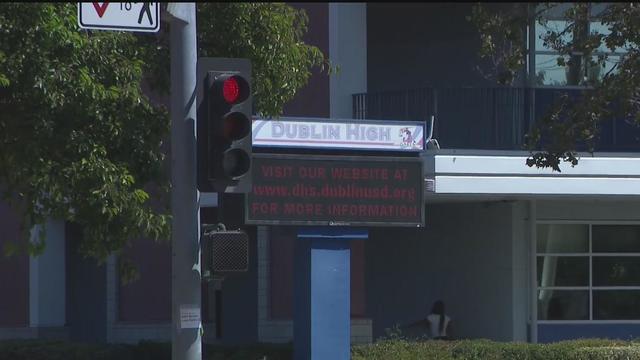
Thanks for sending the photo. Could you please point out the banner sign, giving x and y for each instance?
(339, 134)
(335, 190)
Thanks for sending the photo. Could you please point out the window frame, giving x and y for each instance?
(533, 51)
(590, 288)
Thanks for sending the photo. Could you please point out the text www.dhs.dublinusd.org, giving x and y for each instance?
(336, 191)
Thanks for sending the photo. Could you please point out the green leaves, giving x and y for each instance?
(80, 141)
(270, 34)
(585, 46)
(502, 40)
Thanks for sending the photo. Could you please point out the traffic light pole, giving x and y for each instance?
(185, 234)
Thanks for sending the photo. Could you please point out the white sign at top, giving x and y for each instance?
(347, 134)
(121, 16)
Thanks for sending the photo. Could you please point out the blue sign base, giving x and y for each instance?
(322, 323)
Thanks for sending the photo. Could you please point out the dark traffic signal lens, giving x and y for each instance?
(236, 163)
(236, 126)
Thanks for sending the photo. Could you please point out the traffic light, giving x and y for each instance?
(224, 125)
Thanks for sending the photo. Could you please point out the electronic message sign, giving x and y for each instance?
(335, 190)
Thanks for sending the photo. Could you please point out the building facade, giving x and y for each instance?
(516, 253)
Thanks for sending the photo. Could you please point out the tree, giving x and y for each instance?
(80, 140)
(596, 44)
(270, 34)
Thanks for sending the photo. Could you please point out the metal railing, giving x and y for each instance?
(483, 118)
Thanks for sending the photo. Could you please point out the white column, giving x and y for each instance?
(47, 283)
(533, 296)
(348, 50)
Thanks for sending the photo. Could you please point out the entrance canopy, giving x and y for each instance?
(504, 174)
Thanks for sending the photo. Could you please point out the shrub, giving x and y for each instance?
(608, 353)
(151, 350)
(145, 350)
(395, 348)
(589, 349)
(59, 350)
(402, 349)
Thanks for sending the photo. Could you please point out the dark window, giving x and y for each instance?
(563, 305)
(616, 304)
(616, 238)
(616, 271)
(578, 261)
(563, 271)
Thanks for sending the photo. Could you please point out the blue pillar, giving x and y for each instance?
(322, 323)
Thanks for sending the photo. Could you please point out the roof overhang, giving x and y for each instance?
(487, 175)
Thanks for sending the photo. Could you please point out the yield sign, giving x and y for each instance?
(100, 8)
(127, 16)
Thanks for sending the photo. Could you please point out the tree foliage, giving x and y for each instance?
(80, 140)
(584, 53)
(270, 34)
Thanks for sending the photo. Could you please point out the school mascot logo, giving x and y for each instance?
(407, 138)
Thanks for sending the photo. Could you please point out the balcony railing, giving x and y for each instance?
(483, 118)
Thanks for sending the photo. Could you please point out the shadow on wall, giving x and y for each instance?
(463, 257)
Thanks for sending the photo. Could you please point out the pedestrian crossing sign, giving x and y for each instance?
(121, 16)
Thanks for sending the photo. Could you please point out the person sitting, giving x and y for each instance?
(438, 322)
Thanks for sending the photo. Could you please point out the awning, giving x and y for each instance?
(505, 173)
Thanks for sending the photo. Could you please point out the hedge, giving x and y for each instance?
(588, 349)
(387, 349)
(146, 350)
(50, 350)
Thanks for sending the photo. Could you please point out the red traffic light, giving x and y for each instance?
(231, 90)
(235, 89)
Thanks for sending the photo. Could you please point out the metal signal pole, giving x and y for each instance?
(185, 234)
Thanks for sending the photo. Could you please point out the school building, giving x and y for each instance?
(516, 253)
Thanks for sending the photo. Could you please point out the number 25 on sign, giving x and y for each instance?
(123, 16)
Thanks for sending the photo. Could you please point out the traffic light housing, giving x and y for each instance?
(224, 125)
